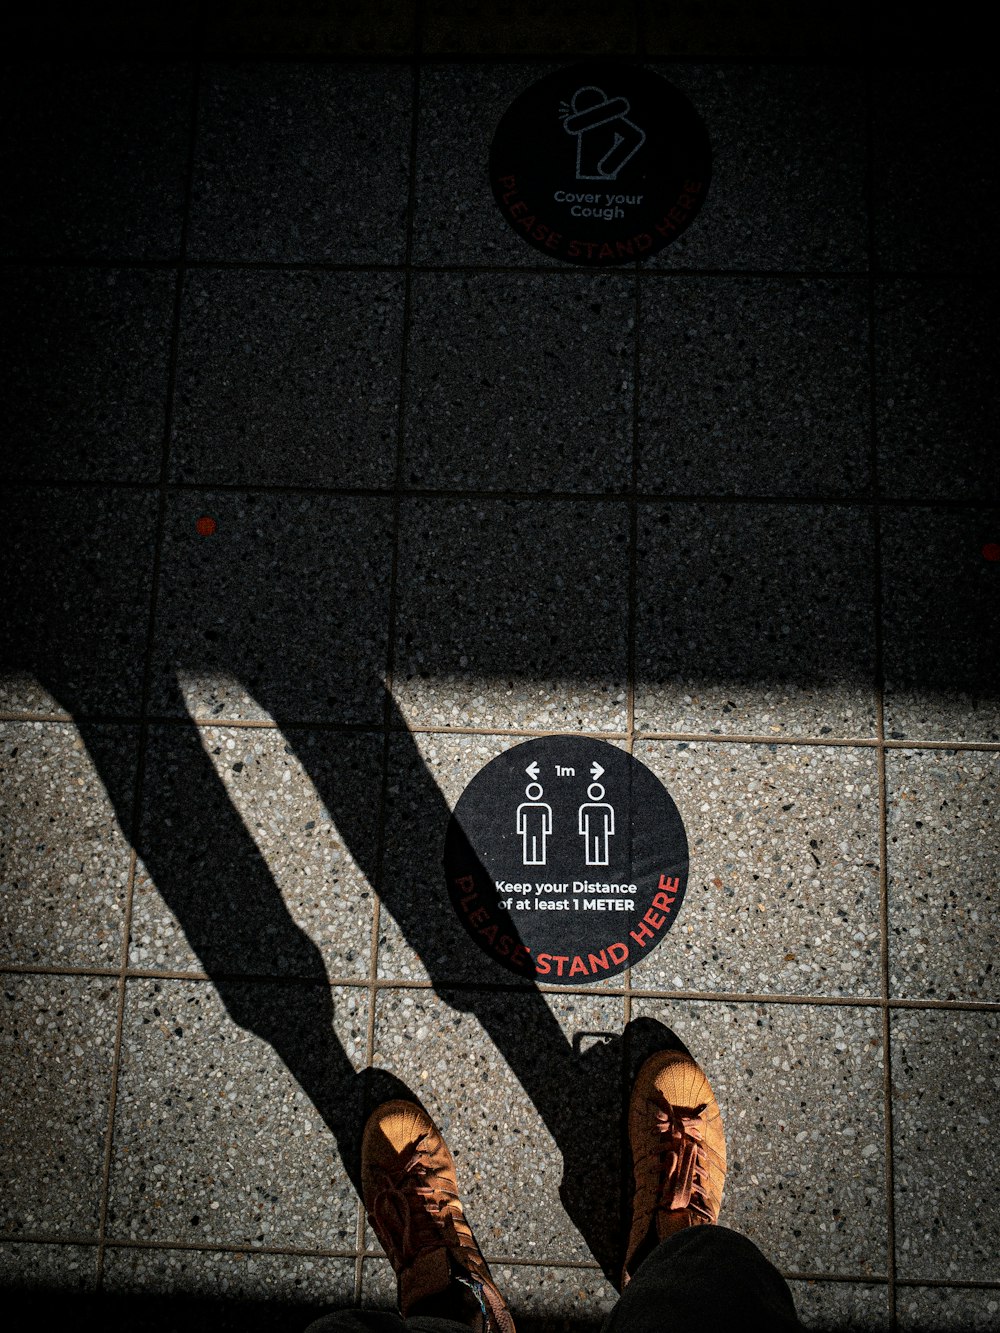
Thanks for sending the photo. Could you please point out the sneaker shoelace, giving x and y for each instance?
(419, 1207)
(680, 1157)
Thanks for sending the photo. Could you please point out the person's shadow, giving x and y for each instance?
(208, 869)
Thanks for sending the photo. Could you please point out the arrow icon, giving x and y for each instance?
(596, 770)
(532, 770)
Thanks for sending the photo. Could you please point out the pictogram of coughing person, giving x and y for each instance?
(605, 138)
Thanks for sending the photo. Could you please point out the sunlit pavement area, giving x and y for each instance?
(326, 489)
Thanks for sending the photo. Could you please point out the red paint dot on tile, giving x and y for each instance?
(991, 551)
(205, 526)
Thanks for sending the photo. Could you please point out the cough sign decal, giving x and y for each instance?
(600, 163)
(566, 860)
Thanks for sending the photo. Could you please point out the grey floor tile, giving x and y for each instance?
(78, 568)
(219, 1289)
(64, 860)
(512, 614)
(783, 895)
(801, 1092)
(753, 387)
(57, 1038)
(288, 378)
(788, 171)
(28, 1267)
(590, 28)
(545, 360)
(280, 612)
(559, 1300)
(842, 1307)
(456, 220)
(946, 1078)
(936, 346)
(943, 850)
(269, 877)
(216, 1141)
(933, 123)
(427, 775)
(95, 159)
(947, 1309)
(302, 162)
(516, 1115)
(86, 373)
(755, 619)
(941, 616)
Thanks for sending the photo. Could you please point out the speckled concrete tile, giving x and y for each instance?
(842, 1307)
(788, 171)
(755, 619)
(517, 1084)
(94, 159)
(592, 27)
(456, 220)
(753, 387)
(944, 847)
(545, 359)
(215, 1140)
(64, 861)
(205, 1289)
(941, 613)
(27, 1267)
(801, 1092)
(783, 894)
(288, 378)
(427, 775)
(733, 30)
(947, 1309)
(57, 1036)
(86, 369)
(933, 124)
(935, 348)
(301, 162)
(269, 876)
(946, 1080)
(556, 1300)
(77, 569)
(280, 612)
(512, 614)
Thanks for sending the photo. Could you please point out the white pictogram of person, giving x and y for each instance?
(605, 138)
(597, 825)
(534, 824)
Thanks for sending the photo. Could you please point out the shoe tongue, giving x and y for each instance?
(426, 1276)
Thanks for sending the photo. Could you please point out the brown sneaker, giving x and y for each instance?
(411, 1195)
(678, 1153)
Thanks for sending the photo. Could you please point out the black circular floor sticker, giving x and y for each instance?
(566, 860)
(600, 163)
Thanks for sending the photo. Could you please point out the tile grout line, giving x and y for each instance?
(883, 815)
(390, 648)
(363, 728)
(140, 773)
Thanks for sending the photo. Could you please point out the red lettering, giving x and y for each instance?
(542, 965)
(643, 241)
(554, 240)
(642, 935)
(504, 946)
(606, 252)
(520, 954)
(624, 248)
(692, 187)
(528, 222)
(664, 903)
(577, 966)
(598, 960)
(519, 209)
(559, 959)
(574, 250)
(489, 933)
(668, 885)
(618, 952)
(653, 918)
(509, 183)
(479, 916)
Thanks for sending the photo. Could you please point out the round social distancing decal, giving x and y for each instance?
(600, 163)
(566, 860)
